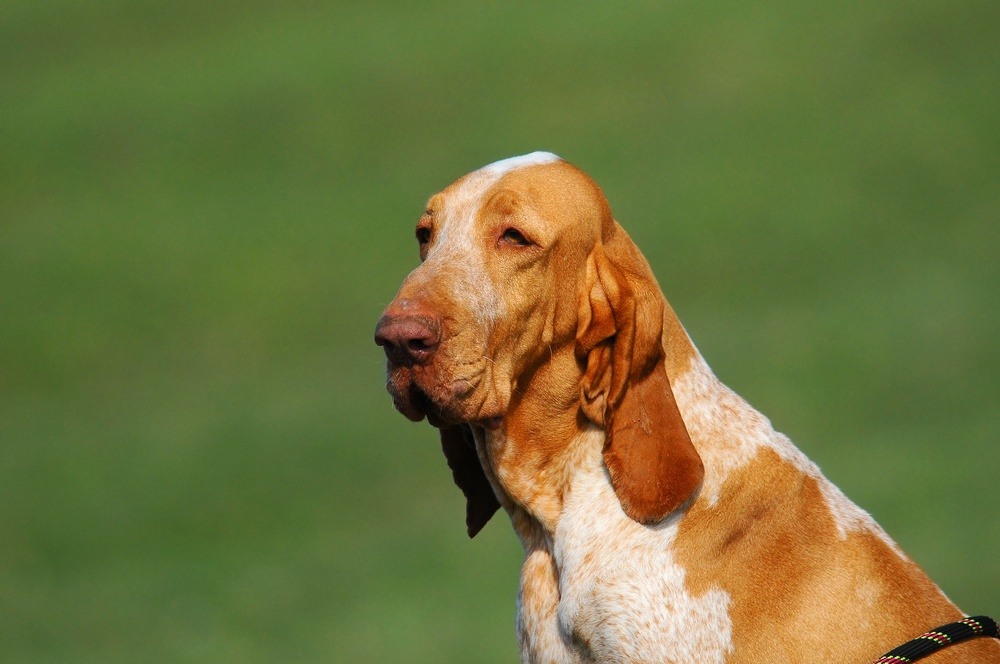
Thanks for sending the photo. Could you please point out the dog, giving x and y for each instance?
(662, 518)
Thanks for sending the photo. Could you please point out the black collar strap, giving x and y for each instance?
(940, 637)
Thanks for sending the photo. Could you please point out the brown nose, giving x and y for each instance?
(408, 334)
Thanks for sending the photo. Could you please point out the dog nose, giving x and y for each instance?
(408, 334)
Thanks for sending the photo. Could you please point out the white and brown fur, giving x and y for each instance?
(663, 519)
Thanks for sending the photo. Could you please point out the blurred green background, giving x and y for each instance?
(205, 206)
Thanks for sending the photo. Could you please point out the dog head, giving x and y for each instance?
(523, 264)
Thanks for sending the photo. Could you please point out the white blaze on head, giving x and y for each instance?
(458, 248)
(499, 168)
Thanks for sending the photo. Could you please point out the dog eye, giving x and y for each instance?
(514, 236)
(423, 234)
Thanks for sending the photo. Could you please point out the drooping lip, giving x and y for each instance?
(416, 403)
(411, 401)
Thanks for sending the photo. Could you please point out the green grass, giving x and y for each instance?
(204, 207)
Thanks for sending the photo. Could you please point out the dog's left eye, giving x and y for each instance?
(514, 236)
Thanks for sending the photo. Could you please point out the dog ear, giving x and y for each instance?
(654, 468)
(460, 450)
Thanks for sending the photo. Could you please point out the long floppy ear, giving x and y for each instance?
(654, 468)
(460, 451)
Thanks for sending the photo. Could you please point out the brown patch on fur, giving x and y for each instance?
(799, 591)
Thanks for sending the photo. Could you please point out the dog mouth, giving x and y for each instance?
(415, 402)
(441, 407)
(417, 405)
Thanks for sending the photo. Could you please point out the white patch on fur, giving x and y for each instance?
(456, 258)
(621, 596)
(513, 163)
(458, 250)
(714, 412)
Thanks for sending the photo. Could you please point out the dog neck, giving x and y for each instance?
(528, 460)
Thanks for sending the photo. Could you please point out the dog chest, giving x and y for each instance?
(622, 596)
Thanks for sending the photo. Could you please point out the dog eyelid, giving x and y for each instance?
(513, 236)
